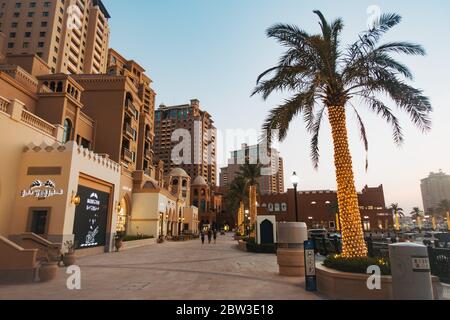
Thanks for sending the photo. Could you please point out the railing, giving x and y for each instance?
(148, 136)
(440, 263)
(132, 109)
(37, 122)
(128, 129)
(148, 153)
(127, 155)
(4, 105)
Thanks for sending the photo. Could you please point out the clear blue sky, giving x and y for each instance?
(213, 50)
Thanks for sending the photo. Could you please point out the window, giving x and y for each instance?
(32, 4)
(39, 221)
(270, 207)
(284, 207)
(42, 34)
(29, 24)
(16, 14)
(44, 24)
(45, 14)
(277, 207)
(14, 25)
(12, 35)
(26, 45)
(18, 5)
(47, 4)
(30, 14)
(10, 45)
(67, 131)
(40, 44)
(27, 34)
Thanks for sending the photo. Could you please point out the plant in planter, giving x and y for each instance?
(69, 257)
(118, 240)
(356, 265)
(49, 266)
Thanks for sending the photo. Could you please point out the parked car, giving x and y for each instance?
(318, 233)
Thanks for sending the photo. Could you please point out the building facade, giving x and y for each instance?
(435, 188)
(272, 172)
(185, 137)
(319, 209)
(71, 36)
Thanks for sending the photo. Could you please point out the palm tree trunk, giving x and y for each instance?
(253, 209)
(353, 244)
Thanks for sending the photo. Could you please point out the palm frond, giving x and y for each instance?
(315, 131)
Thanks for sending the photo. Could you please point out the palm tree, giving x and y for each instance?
(444, 210)
(397, 212)
(250, 173)
(236, 198)
(324, 79)
(418, 215)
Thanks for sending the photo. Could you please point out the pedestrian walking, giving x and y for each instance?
(202, 236)
(215, 236)
(209, 236)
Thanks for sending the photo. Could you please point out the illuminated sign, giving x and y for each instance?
(42, 190)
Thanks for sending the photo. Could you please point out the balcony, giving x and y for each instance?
(129, 131)
(148, 153)
(132, 109)
(127, 155)
(148, 135)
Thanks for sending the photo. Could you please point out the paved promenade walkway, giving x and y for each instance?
(173, 270)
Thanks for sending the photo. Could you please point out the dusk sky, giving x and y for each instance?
(214, 50)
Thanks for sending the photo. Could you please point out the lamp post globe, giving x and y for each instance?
(295, 181)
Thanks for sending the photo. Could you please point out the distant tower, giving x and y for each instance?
(435, 188)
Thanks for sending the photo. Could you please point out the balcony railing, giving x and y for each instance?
(130, 107)
(127, 155)
(4, 105)
(148, 135)
(148, 153)
(129, 131)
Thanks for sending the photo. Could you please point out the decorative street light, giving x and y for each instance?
(295, 181)
(246, 222)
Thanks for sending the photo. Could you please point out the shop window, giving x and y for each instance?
(39, 220)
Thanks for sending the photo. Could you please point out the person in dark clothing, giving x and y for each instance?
(202, 236)
(215, 236)
(209, 236)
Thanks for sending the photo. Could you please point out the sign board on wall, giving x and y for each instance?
(41, 190)
(91, 218)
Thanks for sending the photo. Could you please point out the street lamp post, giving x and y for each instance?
(295, 181)
(247, 231)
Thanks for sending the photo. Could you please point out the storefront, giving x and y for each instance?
(67, 193)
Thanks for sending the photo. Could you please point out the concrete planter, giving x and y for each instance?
(290, 253)
(291, 262)
(339, 285)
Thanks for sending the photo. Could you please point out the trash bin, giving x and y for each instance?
(411, 274)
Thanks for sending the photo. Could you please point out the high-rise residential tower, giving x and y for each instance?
(185, 137)
(272, 173)
(71, 36)
(435, 188)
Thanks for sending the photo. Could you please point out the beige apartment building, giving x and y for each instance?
(70, 36)
(194, 129)
(435, 188)
(272, 172)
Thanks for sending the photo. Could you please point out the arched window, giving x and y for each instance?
(67, 130)
(196, 192)
(53, 86)
(175, 182)
(59, 87)
(184, 183)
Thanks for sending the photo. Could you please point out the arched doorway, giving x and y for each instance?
(267, 236)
